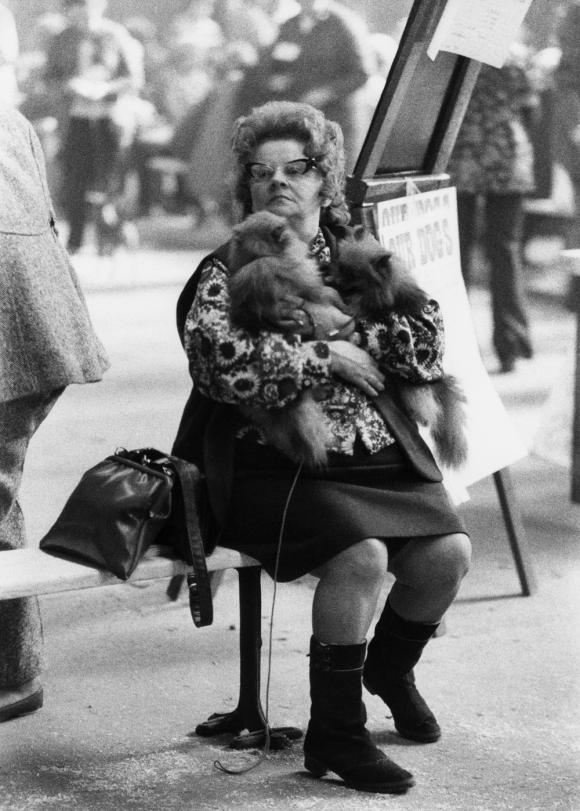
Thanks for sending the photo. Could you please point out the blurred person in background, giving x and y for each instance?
(321, 56)
(153, 55)
(187, 77)
(566, 113)
(211, 44)
(196, 26)
(93, 67)
(492, 167)
(382, 49)
(9, 51)
(203, 139)
(245, 21)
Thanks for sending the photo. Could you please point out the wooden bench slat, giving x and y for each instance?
(26, 572)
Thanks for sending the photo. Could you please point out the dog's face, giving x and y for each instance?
(372, 280)
(262, 234)
(363, 269)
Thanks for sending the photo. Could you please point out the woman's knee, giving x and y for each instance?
(456, 554)
(444, 559)
(365, 562)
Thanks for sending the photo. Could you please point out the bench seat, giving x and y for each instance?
(27, 572)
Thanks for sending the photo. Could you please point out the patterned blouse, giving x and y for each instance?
(230, 365)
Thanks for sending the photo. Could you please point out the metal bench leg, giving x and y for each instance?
(249, 713)
(515, 531)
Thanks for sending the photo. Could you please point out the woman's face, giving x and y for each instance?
(295, 197)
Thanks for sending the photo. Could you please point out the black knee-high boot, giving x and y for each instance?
(337, 739)
(393, 652)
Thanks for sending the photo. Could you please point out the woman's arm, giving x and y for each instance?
(233, 366)
(410, 346)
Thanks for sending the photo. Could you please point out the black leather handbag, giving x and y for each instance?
(125, 503)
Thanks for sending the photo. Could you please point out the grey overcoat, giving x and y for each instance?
(46, 336)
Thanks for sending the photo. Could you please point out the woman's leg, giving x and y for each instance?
(337, 739)
(428, 574)
(20, 621)
(77, 171)
(504, 222)
(468, 231)
(346, 597)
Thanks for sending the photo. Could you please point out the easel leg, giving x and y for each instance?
(575, 483)
(515, 531)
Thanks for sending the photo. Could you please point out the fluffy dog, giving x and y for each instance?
(372, 282)
(268, 263)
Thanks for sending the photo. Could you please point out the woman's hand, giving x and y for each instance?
(320, 321)
(328, 322)
(287, 315)
(356, 366)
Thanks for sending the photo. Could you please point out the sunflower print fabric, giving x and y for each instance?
(229, 365)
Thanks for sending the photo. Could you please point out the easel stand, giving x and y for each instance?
(515, 531)
(575, 305)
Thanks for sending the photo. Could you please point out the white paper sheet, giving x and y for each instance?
(483, 30)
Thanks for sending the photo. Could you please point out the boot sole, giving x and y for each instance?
(318, 769)
(413, 736)
(404, 733)
(25, 706)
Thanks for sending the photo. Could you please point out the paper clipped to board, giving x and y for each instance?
(483, 30)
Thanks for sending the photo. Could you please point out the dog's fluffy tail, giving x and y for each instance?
(449, 432)
(441, 407)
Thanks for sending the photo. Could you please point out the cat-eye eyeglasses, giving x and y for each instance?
(291, 169)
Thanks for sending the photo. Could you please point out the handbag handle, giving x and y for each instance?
(200, 598)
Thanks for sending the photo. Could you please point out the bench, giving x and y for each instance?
(32, 572)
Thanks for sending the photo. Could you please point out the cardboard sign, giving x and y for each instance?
(422, 231)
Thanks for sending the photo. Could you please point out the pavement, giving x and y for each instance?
(127, 676)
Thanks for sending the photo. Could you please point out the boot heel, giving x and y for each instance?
(314, 766)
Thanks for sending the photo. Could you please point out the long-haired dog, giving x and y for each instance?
(268, 263)
(372, 282)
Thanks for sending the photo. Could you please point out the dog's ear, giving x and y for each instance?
(408, 297)
(254, 289)
(377, 292)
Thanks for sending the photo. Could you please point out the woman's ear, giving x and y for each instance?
(324, 202)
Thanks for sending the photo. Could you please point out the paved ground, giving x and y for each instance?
(128, 676)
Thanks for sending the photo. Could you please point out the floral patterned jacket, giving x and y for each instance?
(229, 365)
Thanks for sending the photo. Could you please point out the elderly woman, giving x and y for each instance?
(379, 504)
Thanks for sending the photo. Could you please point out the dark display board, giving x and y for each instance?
(418, 115)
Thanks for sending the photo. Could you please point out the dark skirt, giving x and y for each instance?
(354, 498)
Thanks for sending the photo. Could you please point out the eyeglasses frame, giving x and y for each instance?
(312, 163)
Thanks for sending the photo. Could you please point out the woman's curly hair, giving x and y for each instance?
(322, 140)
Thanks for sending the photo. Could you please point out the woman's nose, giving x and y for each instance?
(279, 175)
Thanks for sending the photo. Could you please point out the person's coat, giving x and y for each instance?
(46, 337)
